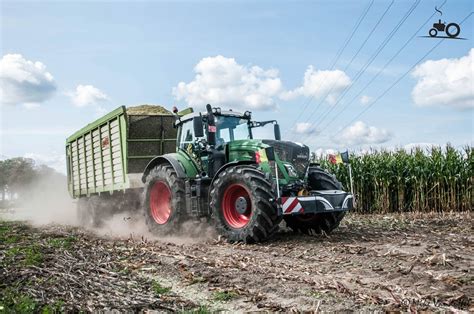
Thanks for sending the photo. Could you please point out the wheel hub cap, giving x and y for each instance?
(241, 205)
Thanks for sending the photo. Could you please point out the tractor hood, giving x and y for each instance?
(288, 152)
(291, 152)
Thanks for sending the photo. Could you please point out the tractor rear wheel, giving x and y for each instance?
(323, 222)
(242, 205)
(164, 200)
(453, 33)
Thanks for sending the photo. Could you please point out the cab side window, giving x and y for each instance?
(186, 135)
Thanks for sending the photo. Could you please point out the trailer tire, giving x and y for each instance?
(164, 205)
(89, 212)
(242, 205)
(323, 222)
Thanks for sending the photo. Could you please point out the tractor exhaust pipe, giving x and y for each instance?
(211, 127)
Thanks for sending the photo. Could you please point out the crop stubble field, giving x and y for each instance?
(390, 262)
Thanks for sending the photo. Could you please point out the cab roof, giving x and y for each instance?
(222, 113)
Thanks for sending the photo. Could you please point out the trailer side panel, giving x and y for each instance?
(111, 153)
(96, 154)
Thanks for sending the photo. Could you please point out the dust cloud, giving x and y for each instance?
(131, 225)
(47, 201)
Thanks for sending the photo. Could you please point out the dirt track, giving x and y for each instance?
(370, 262)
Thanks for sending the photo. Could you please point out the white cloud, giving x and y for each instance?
(264, 133)
(322, 153)
(360, 133)
(24, 82)
(221, 81)
(31, 105)
(304, 128)
(318, 83)
(100, 111)
(423, 146)
(364, 100)
(445, 82)
(86, 95)
(55, 160)
(47, 130)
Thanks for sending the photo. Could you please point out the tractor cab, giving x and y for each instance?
(229, 126)
(216, 137)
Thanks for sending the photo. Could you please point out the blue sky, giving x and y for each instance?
(128, 53)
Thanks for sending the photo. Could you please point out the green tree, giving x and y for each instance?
(3, 178)
(17, 174)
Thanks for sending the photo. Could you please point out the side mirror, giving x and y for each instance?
(276, 130)
(198, 127)
(270, 152)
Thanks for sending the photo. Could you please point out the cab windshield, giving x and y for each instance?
(231, 129)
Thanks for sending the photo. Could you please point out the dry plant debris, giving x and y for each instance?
(392, 262)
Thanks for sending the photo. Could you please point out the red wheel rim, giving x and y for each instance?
(160, 202)
(236, 206)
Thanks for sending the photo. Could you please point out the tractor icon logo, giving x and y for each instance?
(452, 29)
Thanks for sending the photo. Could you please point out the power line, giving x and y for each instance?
(371, 59)
(382, 69)
(349, 64)
(401, 77)
(368, 63)
(361, 18)
(338, 54)
(370, 34)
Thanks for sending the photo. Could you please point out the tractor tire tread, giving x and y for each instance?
(165, 172)
(263, 222)
(323, 222)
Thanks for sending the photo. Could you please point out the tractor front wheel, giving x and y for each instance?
(242, 205)
(164, 200)
(433, 32)
(323, 222)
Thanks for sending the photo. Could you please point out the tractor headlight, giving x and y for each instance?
(291, 170)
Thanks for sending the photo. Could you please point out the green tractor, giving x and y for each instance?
(245, 186)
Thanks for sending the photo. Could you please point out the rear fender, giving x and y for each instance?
(167, 158)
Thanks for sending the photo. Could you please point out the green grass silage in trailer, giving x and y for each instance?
(423, 180)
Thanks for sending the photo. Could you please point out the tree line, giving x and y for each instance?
(18, 175)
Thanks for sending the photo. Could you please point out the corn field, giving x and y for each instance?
(436, 179)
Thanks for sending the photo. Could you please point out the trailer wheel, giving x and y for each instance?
(323, 222)
(241, 201)
(164, 200)
(89, 211)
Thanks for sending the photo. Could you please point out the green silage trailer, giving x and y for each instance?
(110, 154)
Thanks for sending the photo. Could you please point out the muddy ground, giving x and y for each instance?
(393, 262)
